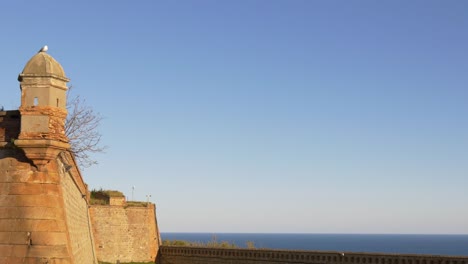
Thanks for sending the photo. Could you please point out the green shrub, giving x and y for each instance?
(136, 204)
(101, 197)
(102, 262)
(213, 243)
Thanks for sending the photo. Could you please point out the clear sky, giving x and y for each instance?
(267, 116)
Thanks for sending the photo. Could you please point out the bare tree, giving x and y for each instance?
(81, 128)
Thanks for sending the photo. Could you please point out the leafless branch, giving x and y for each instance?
(81, 128)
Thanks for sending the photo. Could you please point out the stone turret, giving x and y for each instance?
(43, 109)
(44, 215)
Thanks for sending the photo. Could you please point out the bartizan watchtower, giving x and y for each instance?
(44, 201)
(43, 109)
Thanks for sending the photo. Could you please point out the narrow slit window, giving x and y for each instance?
(57, 102)
(36, 101)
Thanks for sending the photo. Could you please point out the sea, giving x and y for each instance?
(453, 245)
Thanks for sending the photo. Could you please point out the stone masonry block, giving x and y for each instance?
(31, 213)
(60, 261)
(44, 177)
(50, 226)
(30, 200)
(19, 250)
(28, 175)
(15, 176)
(14, 238)
(35, 238)
(28, 225)
(4, 188)
(4, 238)
(7, 225)
(8, 212)
(48, 251)
(26, 260)
(41, 212)
(49, 238)
(23, 260)
(19, 238)
(39, 251)
(5, 250)
(33, 189)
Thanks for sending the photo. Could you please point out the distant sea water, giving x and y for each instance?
(455, 245)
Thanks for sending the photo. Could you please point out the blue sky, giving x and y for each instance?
(267, 116)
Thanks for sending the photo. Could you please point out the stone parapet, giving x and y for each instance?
(118, 201)
(192, 255)
(127, 234)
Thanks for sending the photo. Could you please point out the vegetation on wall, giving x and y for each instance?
(102, 197)
(213, 243)
(136, 204)
(101, 262)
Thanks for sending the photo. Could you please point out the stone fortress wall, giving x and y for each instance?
(125, 233)
(43, 213)
(77, 215)
(44, 202)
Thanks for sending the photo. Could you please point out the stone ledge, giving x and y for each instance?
(41, 151)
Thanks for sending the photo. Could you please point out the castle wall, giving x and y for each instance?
(43, 215)
(125, 233)
(77, 217)
(190, 255)
(32, 223)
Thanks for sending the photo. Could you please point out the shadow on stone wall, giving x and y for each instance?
(9, 126)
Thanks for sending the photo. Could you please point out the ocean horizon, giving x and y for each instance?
(428, 244)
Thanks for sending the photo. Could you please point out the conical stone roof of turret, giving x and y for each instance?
(43, 65)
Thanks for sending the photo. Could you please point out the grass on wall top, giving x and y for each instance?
(102, 197)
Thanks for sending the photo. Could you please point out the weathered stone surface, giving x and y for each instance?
(43, 122)
(43, 214)
(125, 234)
(44, 251)
(42, 64)
(32, 225)
(119, 201)
(49, 238)
(33, 189)
(34, 260)
(39, 219)
(30, 200)
(33, 238)
(31, 212)
(5, 250)
(77, 217)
